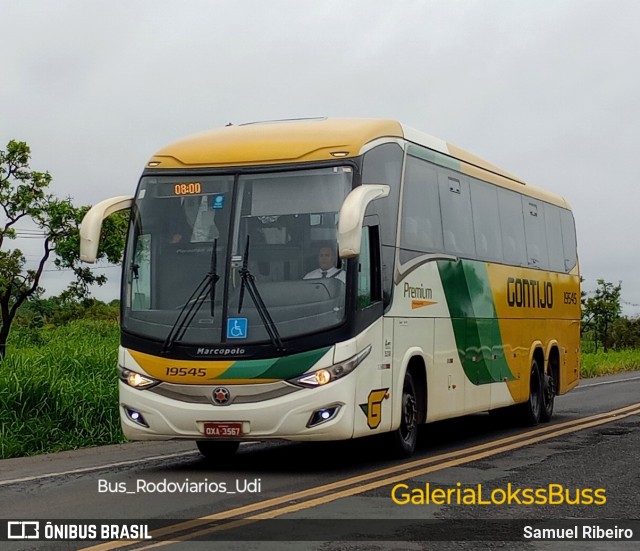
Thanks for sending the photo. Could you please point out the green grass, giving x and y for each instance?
(596, 364)
(58, 386)
(58, 389)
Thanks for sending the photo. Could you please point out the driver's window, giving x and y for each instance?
(364, 271)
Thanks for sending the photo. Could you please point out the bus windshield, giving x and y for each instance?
(278, 229)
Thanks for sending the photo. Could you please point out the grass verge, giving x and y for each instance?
(596, 364)
(58, 389)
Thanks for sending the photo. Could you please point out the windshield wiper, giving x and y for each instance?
(190, 308)
(249, 283)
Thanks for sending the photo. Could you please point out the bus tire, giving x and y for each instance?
(532, 409)
(217, 451)
(404, 438)
(548, 397)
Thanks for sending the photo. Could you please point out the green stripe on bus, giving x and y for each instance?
(474, 320)
(274, 368)
(292, 366)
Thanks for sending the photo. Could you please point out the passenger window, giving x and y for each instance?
(486, 221)
(421, 224)
(512, 226)
(554, 237)
(457, 221)
(568, 240)
(534, 227)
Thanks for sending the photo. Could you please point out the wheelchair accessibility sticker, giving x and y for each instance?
(237, 328)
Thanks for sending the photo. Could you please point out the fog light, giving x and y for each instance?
(136, 417)
(323, 415)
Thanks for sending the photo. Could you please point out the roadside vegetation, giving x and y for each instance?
(58, 383)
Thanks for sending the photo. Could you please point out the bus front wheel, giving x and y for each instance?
(404, 438)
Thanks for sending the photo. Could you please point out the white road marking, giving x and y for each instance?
(98, 467)
(608, 382)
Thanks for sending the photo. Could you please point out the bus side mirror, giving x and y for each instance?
(352, 215)
(92, 225)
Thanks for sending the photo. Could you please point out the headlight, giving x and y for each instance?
(136, 380)
(327, 375)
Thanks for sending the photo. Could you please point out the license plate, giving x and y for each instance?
(222, 430)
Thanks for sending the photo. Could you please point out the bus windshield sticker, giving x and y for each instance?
(237, 328)
(218, 201)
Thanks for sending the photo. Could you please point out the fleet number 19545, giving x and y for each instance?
(185, 371)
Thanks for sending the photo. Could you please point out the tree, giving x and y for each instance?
(625, 333)
(601, 310)
(24, 196)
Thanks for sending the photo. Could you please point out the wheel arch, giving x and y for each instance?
(415, 362)
(537, 353)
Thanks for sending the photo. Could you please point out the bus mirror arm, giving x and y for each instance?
(92, 225)
(352, 215)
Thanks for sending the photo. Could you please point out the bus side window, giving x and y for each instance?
(457, 220)
(554, 237)
(568, 240)
(421, 225)
(535, 233)
(512, 227)
(486, 221)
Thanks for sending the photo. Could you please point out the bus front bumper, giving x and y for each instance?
(298, 416)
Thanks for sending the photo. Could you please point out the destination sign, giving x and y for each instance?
(185, 189)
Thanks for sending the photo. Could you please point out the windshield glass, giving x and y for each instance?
(283, 237)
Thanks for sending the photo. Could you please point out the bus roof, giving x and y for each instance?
(305, 140)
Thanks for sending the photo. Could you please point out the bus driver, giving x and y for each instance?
(327, 266)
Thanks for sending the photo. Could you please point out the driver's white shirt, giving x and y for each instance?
(331, 272)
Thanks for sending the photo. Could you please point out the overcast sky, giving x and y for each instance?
(549, 90)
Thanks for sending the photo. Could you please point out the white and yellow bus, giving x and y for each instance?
(450, 287)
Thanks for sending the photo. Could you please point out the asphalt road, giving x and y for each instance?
(345, 491)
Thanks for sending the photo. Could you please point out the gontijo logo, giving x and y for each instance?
(529, 293)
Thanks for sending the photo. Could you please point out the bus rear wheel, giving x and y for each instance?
(548, 397)
(532, 409)
(217, 451)
(404, 438)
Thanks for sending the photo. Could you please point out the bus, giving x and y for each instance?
(449, 287)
